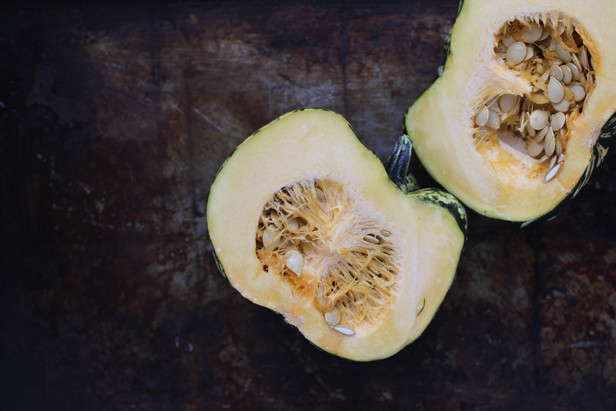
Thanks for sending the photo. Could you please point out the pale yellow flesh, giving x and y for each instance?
(316, 144)
(441, 122)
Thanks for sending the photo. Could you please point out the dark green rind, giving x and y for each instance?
(443, 199)
(397, 164)
(606, 137)
(447, 46)
(219, 265)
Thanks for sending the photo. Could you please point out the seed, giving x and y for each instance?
(556, 92)
(544, 35)
(530, 52)
(549, 143)
(557, 121)
(344, 330)
(516, 53)
(568, 94)
(538, 119)
(369, 238)
(576, 61)
(530, 130)
(583, 54)
(320, 194)
(540, 135)
(556, 72)
(563, 54)
(578, 92)
(561, 158)
(567, 74)
(295, 261)
(508, 41)
(563, 106)
(506, 102)
(552, 173)
(559, 148)
(481, 119)
(493, 120)
(532, 33)
(534, 148)
(333, 317)
(575, 73)
(293, 224)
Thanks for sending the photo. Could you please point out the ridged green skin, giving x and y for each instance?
(397, 169)
(606, 137)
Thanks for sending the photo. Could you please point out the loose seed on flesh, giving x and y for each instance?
(563, 106)
(344, 330)
(481, 119)
(534, 148)
(516, 53)
(538, 119)
(578, 92)
(295, 261)
(557, 121)
(567, 75)
(540, 135)
(333, 317)
(552, 173)
(556, 72)
(532, 33)
(506, 102)
(556, 91)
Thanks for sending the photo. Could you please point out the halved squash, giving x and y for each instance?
(304, 220)
(523, 111)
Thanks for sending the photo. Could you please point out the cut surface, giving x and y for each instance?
(509, 128)
(322, 236)
(316, 237)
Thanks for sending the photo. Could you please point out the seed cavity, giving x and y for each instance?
(548, 52)
(315, 237)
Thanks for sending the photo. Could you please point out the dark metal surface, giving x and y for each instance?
(114, 120)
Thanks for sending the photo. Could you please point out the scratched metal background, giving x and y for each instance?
(113, 121)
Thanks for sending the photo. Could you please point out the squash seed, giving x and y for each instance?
(534, 148)
(567, 74)
(538, 119)
(344, 330)
(549, 143)
(556, 91)
(563, 106)
(295, 261)
(333, 317)
(541, 135)
(556, 72)
(493, 120)
(557, 121)
(578, 92)
(532, 33)
(482, 117)
(552, 173)
(575, 73)
(506, 102)
(516, 53)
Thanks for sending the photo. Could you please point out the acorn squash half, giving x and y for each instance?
(304, 220)
(523, 110)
